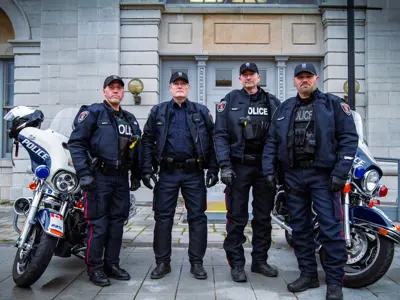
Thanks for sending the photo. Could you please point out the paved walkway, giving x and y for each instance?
(66, 278)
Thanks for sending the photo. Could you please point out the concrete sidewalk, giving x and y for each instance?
(66, 278)
(139, 231)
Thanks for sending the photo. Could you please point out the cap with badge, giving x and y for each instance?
(305, 67)
(179, 75)
(248, 66)
(112, 78)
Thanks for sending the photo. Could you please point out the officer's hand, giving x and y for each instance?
(135, 183)
(211, 179)
(271, 182)
(87, 183)
(227, 175)
(146, 180)
(336, 184)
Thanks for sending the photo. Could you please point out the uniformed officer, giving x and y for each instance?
(104, 146)
(243, 117)
(314, 138)
(177, 138)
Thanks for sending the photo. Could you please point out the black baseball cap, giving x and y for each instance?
(110, 79)
(179, 75)
(305, 67)
(248, 66)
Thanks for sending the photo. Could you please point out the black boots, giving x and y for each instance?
(117, 273)
(99, 278)
(264, 269)
(334, 292)
(302, 283)
(198, 271)
(238, 274)
(160, 271)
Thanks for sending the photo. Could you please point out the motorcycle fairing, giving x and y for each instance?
(51, 222)
(38, 155)
(374, 219)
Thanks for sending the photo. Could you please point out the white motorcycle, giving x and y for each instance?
(54, 223)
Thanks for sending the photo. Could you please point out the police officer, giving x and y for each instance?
(107, 135)
(243, 117)
(314, 138)
(177, 138)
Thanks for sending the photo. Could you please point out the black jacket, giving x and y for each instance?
(335, 134)
(155, 133)
(97, 135)
(228, 133)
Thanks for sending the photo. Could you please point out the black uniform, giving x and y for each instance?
(105, 135)
(239, 135)
(178, 140)
(314, 140)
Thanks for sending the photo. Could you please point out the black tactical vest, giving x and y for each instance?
(124, 136)
(304, 138)
(258, 116)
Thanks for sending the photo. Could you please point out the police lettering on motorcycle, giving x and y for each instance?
(314, 140)
(105, 145)
(242, 120)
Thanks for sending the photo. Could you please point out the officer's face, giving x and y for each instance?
(179, 89)
(114, 93)
(306, 82)
(249, 79)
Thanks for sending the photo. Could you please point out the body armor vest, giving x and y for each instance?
(304, 137)
(257, 120)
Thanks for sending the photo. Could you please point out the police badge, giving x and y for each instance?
(83, 115)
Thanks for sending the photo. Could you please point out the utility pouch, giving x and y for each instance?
(190, 165)
(310, 143)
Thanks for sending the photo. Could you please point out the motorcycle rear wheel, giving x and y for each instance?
(30, 265)
(377, 260)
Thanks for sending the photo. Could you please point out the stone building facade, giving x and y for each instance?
(56, 53)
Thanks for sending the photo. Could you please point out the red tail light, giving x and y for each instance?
(383, 191)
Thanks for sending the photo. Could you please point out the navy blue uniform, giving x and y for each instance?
(101, 133)
(178, 140)
(306, 177)
(239, 145)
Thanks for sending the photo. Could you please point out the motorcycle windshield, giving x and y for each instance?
(64, 120)
(362, 145)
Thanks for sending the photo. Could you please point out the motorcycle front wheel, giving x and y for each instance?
(30, 264)
(369, 258)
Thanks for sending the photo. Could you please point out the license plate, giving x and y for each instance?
(56, 225)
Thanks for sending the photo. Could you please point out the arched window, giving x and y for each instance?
(6, 78)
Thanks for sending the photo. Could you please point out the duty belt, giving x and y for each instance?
(305, 164)
(247, 159)
(111, 170)
(189, 165)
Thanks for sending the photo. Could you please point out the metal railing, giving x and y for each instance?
(392, 211)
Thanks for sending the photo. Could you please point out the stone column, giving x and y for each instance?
(201, 75)
(281, 76)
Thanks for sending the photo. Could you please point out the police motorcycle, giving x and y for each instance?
(54, 216)
(369, 233)
(54, 222)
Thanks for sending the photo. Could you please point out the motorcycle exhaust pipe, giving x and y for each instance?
(281, 224)
(22, 205)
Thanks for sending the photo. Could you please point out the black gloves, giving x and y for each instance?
(211, 179)
(146, 180)
(336, 184)
(87, 183)
(135, 183)
(227, 175)
(271, 182)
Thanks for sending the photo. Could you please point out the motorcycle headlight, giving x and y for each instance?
(65, 182)
(370, 181)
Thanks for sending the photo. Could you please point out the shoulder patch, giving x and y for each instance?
(83, 115)
(221, 106)
(346, 108)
